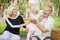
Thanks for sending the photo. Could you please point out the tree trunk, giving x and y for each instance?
(59, 12)
(2, 8)
(59, 8)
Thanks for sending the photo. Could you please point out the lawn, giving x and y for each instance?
(23, 30)
(57, 21)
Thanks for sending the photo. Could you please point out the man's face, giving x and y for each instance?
(46, 12)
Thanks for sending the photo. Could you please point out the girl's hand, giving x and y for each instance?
(27, 29)
(40, 19)
(33, 21)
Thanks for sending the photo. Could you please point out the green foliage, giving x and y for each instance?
(55, 3)
(21, 7)
(0, 2)
(2, 26)
(23, 32)
(7, 1)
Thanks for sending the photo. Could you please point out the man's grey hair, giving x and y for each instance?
(50, 6)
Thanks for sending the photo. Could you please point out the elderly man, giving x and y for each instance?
(45, 25)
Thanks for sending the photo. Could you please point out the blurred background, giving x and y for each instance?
(24, 6)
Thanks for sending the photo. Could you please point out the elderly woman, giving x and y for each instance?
(13, 22)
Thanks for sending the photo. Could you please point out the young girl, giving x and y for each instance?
(32, 27)
(13, 22)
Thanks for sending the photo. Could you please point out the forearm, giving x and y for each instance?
(21, 25)
(42, 28)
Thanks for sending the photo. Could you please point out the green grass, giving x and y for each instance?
(23, 30)
(57, 21)
(2, 26)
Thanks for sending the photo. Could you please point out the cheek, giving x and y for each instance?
(15, 11)
(44, 15)
(32, 11)
(46, 12)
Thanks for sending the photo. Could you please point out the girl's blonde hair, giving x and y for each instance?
(35, 7)
(10, 9)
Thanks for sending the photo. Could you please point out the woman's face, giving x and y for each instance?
(14, 11)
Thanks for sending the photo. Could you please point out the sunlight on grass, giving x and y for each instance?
(2, 26)
(57, 21)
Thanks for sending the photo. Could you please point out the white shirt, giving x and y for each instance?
(48, 24)
(31, 26)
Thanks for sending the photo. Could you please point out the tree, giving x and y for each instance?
(22, 6)
(2, 5)
(56, 4)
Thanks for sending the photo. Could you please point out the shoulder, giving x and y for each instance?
(51, 19)
(20, 16)
(6, 18)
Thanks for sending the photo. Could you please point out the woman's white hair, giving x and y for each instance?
(10, 8)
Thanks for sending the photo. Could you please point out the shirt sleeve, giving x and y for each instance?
(8, 22)
(22, 21)
(49, 25)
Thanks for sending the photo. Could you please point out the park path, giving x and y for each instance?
(23, 38)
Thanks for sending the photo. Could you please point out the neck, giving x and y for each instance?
(45, 17)
(35, 13)
(13, 16)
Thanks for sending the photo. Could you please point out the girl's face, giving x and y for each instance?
(33, 10)
(14, 11)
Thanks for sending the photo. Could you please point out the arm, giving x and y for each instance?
(47, 27)
(11, 23)
(21, 25)
(41, 27)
